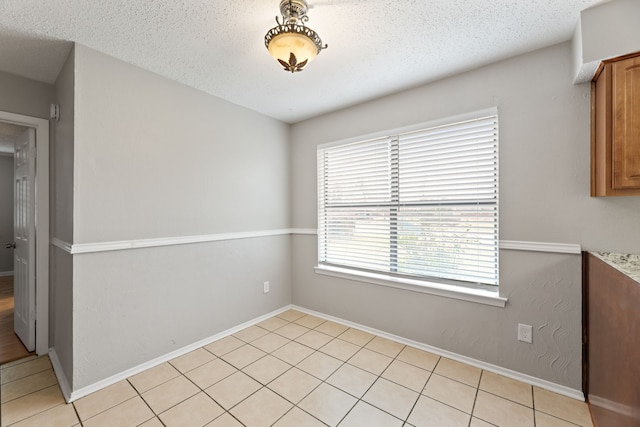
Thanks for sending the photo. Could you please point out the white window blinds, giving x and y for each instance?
(420, 204)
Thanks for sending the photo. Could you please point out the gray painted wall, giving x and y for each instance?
(133, 306)
(6, 212)
(61, 213)
(544, 197)
(543, 290)
(23, 96)
(156, 159)
(62, 154)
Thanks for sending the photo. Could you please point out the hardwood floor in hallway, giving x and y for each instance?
(11, 347)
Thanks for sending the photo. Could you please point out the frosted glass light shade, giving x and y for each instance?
(291, 42)
(283, 45)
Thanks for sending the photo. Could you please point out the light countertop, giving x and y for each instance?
(628, 264)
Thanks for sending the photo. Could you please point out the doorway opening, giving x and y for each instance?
(32, 310)
(11, 345)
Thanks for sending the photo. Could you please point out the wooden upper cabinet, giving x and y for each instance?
(615, 145)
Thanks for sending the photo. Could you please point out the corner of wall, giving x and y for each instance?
(61, 376)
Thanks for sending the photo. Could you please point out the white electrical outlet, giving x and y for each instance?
(525, 333)
(265, 287)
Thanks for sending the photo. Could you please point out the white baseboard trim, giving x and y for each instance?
(528, 379)
(62, 378)
(84, 391)
(6, 273)
(71, 396)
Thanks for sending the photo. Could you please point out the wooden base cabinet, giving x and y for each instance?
(613, 342)
(615, 136)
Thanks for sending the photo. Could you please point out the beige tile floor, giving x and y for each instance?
(292, 370)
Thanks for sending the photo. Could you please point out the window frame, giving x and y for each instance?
(486, 294)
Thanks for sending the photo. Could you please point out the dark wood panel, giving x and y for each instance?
(613, 345)
(11, 347)
(615, 128)
(626, 145)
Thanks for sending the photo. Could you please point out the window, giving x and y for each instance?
(422, 204)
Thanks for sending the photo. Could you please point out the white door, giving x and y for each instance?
(24, 285)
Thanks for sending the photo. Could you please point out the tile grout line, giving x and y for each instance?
(406, 421)
(146, 403)
(559, 418)
(475, 398)
(75, 410)
(32, 391)
(201, 390)
(345, 362)
(342, 364)
(103, 411)
(42, 411)
(533, 403)
(295, 405)
(314, 351)
(420, 394)
(35, 414)
(228, 411)
(26, 376)
(433, 372)
(376, 380)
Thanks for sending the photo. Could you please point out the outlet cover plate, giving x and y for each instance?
(525, 333)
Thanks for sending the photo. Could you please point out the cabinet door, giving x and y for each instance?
(626, 127)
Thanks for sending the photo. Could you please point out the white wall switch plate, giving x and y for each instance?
(265, 287)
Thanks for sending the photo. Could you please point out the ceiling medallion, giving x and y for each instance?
(292, 43)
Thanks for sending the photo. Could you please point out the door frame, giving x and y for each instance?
(42, 223)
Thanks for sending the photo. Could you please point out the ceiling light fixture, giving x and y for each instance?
(292, 43)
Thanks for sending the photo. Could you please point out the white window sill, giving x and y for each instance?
(479, 296)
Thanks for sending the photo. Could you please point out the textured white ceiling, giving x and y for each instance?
(376, 47)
